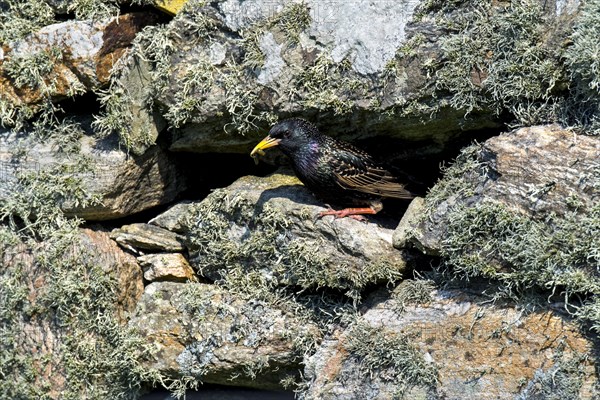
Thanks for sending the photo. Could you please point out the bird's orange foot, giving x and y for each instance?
(354, 213)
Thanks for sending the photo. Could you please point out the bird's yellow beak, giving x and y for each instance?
(264, 144)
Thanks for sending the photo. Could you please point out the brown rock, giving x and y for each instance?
(59, 302)
(87, 52)
(104, 251)
(478, 351)
(147, 237)
(202, 331)
(171, 267)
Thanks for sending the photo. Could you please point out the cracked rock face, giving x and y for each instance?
(102, 169)
(203, 331)
(269, 226)
(477, 351)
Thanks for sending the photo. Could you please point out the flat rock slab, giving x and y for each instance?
(147, 237)
(172, 267)
(203, 331)
(123, 184)
(269, 225)
(473, 350)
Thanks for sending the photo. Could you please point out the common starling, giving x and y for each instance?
(335, 171)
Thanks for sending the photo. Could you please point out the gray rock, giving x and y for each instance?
(202, 331)
(307, 59)
(447, 344)
(121, 184)
(537, 172)
(171, 267)
(408, 223)
(269, 226)
(147, 237)
(174, 218)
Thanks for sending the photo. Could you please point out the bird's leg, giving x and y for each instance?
(354, 213)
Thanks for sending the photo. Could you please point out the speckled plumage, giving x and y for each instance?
(333, 170)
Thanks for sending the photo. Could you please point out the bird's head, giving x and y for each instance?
(291, 135)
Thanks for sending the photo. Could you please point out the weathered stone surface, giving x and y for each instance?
(174, 218)
(147, 237)
(269, 225)
(171, 267)
(478, 351)
(46, 300)
(123, 184)
(409, 221)
(202, 331)
(87, 50)
(536, 172)
(288, 58)
(104, 252)
(236, 66)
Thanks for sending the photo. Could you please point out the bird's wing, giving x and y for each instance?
(356, 170)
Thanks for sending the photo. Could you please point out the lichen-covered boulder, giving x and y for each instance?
(73, 162)
(66, 58)
(65, 302)
(269, 226)
(420, 342)
(522, 208)
(223, 72)
(207, 333)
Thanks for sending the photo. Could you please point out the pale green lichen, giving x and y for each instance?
(390, 357)
(583, 62)
(327, 85)
(412, 292)
(290, 260)
(564, 380)
(98, 356)
(497, 60)
(20, 18)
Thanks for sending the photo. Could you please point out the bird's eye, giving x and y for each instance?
(286, 134)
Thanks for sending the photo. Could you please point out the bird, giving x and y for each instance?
(333, 170)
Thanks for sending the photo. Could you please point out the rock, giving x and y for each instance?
(147, 237)
(78, 57)
(105, 253)
(269, 225)
(296, 59)
(64, 306)
(235, 67)
(173, 218)
(409, 221)
(202, 331)
(171, 267)
(170, 6)
(450, 344)
(535, 172)
(122, 184)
